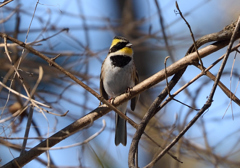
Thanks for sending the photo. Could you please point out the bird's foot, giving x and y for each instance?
(129, 90)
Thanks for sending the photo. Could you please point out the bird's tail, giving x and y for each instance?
(120, 131)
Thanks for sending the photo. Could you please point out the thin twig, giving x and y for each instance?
(23, 96)
(5, 3)
(19, 76)
(169, 94)
(194, 42)
(30, 114)
(165, 66)
(231, 83)
(163, 31)
(29, 121)
(80, 143)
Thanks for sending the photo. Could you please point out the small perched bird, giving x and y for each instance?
(118, 74)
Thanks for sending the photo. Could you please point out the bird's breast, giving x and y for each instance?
(117, 79)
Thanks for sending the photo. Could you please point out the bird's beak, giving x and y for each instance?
(129, 45)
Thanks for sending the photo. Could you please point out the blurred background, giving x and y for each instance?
(81, 32)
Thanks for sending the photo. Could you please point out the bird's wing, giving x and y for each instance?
(135, 99)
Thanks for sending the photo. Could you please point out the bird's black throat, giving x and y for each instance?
(120, 60)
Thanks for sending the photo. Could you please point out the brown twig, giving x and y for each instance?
(190, 29)
(5, 3)
(169, 94)
(163, 31)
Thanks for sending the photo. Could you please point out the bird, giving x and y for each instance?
(118, 75)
